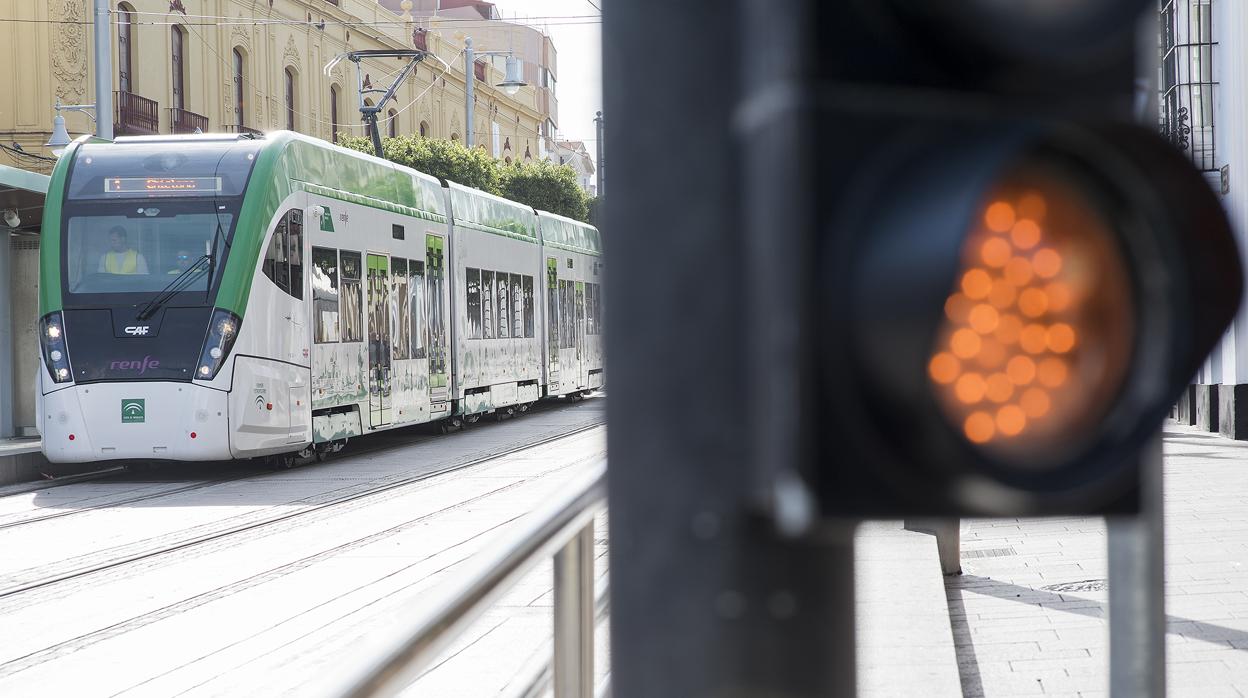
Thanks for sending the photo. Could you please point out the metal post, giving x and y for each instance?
(103, 72)
(1137, 603)
(6, 337)
(470, 77)
(598, 121)
(574, 617)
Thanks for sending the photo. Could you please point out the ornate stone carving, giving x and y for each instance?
(241, 36)
(291, 55)
(69, 57)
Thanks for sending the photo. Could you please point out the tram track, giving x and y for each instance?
(368, 448)
(392, 486)
(18, 664)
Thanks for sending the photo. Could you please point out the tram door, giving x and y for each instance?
(439, 345)
(553, 326)
(379, 400)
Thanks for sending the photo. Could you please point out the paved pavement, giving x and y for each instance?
(1029, 613)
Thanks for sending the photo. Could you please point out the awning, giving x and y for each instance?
(23, 192)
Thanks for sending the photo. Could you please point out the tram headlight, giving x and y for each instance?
(222, 331)
(52, 342)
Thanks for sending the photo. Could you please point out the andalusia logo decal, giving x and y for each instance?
(133, 411)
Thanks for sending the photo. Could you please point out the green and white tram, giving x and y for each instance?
(218, 297)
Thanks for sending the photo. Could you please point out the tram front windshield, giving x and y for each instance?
(141, 216)
(126, 248)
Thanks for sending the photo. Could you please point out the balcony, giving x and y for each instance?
(183, 121)
(136, 116)
(235, 128)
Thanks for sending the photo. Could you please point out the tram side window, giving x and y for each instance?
(294, 251)
(528, 306)
(352, 298)
(552, 307)
(565, 320)
(325, 294)
(589, 309)
(487, 303)
(400, 314)
(283, 262)
(503, 295)
(417, 306)
(474, 304)
(517, 306)
(578, 331)
(275, 265)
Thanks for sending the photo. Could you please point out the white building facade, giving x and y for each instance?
(1204, 110)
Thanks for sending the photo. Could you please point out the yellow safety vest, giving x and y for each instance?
(127, 263)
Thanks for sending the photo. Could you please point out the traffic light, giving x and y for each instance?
(1006, 282)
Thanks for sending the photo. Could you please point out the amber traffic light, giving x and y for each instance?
(1010, 318)
(1038, 329)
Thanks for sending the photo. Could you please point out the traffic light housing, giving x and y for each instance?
(1004, 283)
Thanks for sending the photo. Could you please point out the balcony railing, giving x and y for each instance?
(183, 121)
(235, 128)
(136, 116)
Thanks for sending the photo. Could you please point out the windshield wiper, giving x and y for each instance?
(212, 255)
(179, 283)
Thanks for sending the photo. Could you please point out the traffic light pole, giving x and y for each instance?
(708, 597)
(1137, 604)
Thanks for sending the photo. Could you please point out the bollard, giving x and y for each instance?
(948, 534)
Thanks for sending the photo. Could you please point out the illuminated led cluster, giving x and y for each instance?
(1007, 346)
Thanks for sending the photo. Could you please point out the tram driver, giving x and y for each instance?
(121, 258)
(181, 262)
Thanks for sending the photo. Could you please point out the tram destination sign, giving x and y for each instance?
(162, 185)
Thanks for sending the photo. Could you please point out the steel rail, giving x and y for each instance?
(563, 528)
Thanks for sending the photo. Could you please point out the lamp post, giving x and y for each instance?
(511, 84)
(598, 121)
(60, 135)
(103, 73)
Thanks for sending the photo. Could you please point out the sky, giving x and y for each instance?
(579, 44)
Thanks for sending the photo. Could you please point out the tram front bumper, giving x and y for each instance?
(118, 421)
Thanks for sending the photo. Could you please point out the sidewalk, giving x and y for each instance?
(1029, 612)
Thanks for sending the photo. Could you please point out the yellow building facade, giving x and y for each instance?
(246, 65)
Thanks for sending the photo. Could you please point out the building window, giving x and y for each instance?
(125, 47)
(290, 99)
(368, 128)
(392, 119)
(240, 111)
(1188, 84)
(177, 37)
(333, 113)
(424, 129)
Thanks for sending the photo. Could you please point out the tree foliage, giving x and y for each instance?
(546, 187)
(451, 160)
(542, 185)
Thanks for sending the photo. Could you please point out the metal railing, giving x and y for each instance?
(235, 128)
(564, 528)
(136, 116)
(183, 121)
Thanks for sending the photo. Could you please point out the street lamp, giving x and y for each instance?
(511, 84)
(60, 136)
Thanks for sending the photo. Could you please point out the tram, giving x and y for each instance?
(216, 297)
